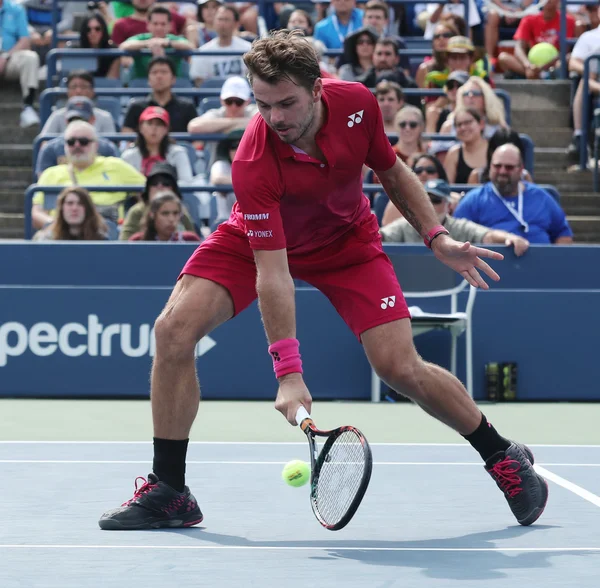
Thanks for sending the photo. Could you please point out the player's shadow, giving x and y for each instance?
(455, 565)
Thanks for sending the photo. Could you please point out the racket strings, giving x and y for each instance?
(340, 477)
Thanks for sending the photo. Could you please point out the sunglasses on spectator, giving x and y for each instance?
(508, 167)
(94, 29)
(429, 169)
(435, 199)
(164, 182)
(365, 41)
(234, 101)
(447, 35)
(453, 85)
(83, 141)
(473, 94)
(413, 124)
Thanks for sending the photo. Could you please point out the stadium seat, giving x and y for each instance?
(191, 153)
(107, 83)
(215, 82)
(380, 201)
(69, 63)
(113, 230)
(112, 105)
(209, 103)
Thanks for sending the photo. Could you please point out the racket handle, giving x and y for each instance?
(301, 416)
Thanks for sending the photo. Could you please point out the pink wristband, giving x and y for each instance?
(435, 232)
(286, 357)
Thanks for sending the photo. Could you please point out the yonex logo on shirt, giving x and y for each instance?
(355, 118)
(388, 301)
(260, 234)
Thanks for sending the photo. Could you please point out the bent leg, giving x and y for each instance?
(391, 352)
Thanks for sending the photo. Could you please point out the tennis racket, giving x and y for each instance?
(340, 471)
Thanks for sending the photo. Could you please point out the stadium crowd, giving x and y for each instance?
(102, 140)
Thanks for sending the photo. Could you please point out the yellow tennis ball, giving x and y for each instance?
(296, 473)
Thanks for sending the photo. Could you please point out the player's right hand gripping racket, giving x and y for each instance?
(340, 472)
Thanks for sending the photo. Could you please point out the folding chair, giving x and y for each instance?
(434, 280)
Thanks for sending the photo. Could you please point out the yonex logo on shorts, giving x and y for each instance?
(356, 118)
(388, 301)
(258, 216)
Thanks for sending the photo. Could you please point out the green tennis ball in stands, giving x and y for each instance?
(542, 53)
(296, 473)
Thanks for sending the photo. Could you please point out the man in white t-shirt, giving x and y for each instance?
(438, 11)
(226, 24)
(588, 44)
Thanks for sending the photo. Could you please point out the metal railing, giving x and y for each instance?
(585, 115)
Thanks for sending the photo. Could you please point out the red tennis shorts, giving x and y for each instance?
(353, 272)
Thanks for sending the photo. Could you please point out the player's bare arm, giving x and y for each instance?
(408, 195)
(276, 300)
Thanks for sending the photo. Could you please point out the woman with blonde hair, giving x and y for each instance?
(409, 124)
(76, 219)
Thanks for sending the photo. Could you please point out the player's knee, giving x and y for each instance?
(173, 337)
(399, 374)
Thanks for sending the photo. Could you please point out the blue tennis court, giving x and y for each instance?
(431, 517)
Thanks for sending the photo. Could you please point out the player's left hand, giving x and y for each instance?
(465, 259)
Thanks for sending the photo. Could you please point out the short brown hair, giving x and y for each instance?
(156, 9)
(385, 87)
(377, 5)
(283, 55)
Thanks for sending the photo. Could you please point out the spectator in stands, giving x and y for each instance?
(522, 208)
(400, 231)
(79, 83)
(158, 40)
(588, 44)
(153, 145)
(235, 111)
(161, 79)
(438, 112)
(220, 173)
(386, 67)
(377, 17)
(502, 15)
(471, 152)
(358, 53)
(426, 167)
(438, 61)
(94, 35)
(438, 12)
(137, 23)
(391, 99)
(162, 177)
(409, 126)
(76, 219)
(533, 29)
(17, 61)
(344, 19)
(501, 137)
(85, 167)
(161, 220)
(53, 152)
(226, 25)
(460, 57)
(203, 31)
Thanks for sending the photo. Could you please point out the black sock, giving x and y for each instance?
(30, 97)
(169, 461)
(486, 440)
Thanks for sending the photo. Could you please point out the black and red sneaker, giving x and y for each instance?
(524, 489)
(154, 505)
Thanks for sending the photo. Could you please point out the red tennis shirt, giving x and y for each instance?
(287, 199)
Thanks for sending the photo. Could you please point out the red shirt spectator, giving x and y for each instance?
(534, 29)
(128, 27)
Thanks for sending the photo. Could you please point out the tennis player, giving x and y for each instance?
(301, 213)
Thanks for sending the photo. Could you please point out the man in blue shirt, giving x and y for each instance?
(17, 61)
(344, 20)
(521, 208)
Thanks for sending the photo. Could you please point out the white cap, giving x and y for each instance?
(235, 87)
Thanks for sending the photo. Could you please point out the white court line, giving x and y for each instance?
(582, 492)
(26, 442)
(306, 548)
(259, 463)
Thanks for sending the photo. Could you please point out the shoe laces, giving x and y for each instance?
(140, 490)
(505, 474)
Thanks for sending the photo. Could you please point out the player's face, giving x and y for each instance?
(505, 171)
(73, 210)
(289, 109)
